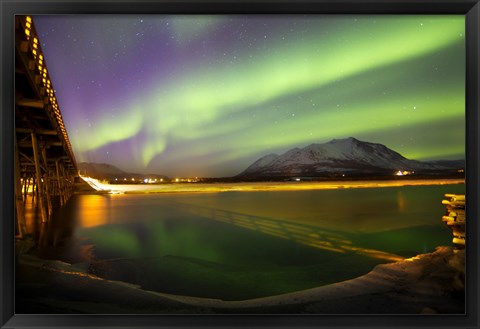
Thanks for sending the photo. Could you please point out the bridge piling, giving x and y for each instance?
(39, 181)
(45, 166)
(46, 179)
(19, 200)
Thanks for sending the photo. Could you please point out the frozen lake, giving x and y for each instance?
(238, 245)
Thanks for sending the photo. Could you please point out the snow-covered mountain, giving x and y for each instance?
(340, 156)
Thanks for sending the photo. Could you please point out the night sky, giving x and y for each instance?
(208, 95)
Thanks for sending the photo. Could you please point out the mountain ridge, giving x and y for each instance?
(105, 171)
(340, 157)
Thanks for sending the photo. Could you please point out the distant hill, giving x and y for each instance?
(343, 156)
(104, 171)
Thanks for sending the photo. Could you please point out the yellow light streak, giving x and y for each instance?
(306, 235)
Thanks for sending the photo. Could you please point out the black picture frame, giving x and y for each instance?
(10, 8)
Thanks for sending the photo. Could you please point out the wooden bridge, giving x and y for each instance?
(45, 166)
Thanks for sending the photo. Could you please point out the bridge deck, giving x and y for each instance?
(45, 164)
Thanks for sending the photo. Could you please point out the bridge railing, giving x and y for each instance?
(45, 165)
(33, 56)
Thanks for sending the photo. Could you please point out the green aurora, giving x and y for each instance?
(207, 96)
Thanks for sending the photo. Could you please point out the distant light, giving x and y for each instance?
(297, 179)
(145, 180)
(403, 173)
(176, 180)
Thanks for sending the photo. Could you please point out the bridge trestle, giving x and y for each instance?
(45, 166)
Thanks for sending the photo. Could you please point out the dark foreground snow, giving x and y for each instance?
(427, 283)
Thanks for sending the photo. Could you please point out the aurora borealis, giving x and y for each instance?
(208, 95)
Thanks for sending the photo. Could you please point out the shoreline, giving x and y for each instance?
(264, 186)
(425, 284)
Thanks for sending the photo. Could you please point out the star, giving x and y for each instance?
(178, 85)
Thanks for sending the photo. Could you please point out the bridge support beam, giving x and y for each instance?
(45, 165)
(59, 183)
(46, 183)
(19, 204)
(39, 181)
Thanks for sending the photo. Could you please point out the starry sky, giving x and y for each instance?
(206, 96)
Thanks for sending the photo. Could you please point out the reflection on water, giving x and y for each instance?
(305, 234)
(401, 201)
(246, 244)
(97, 210)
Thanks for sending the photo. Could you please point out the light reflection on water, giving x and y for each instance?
(219, 240)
